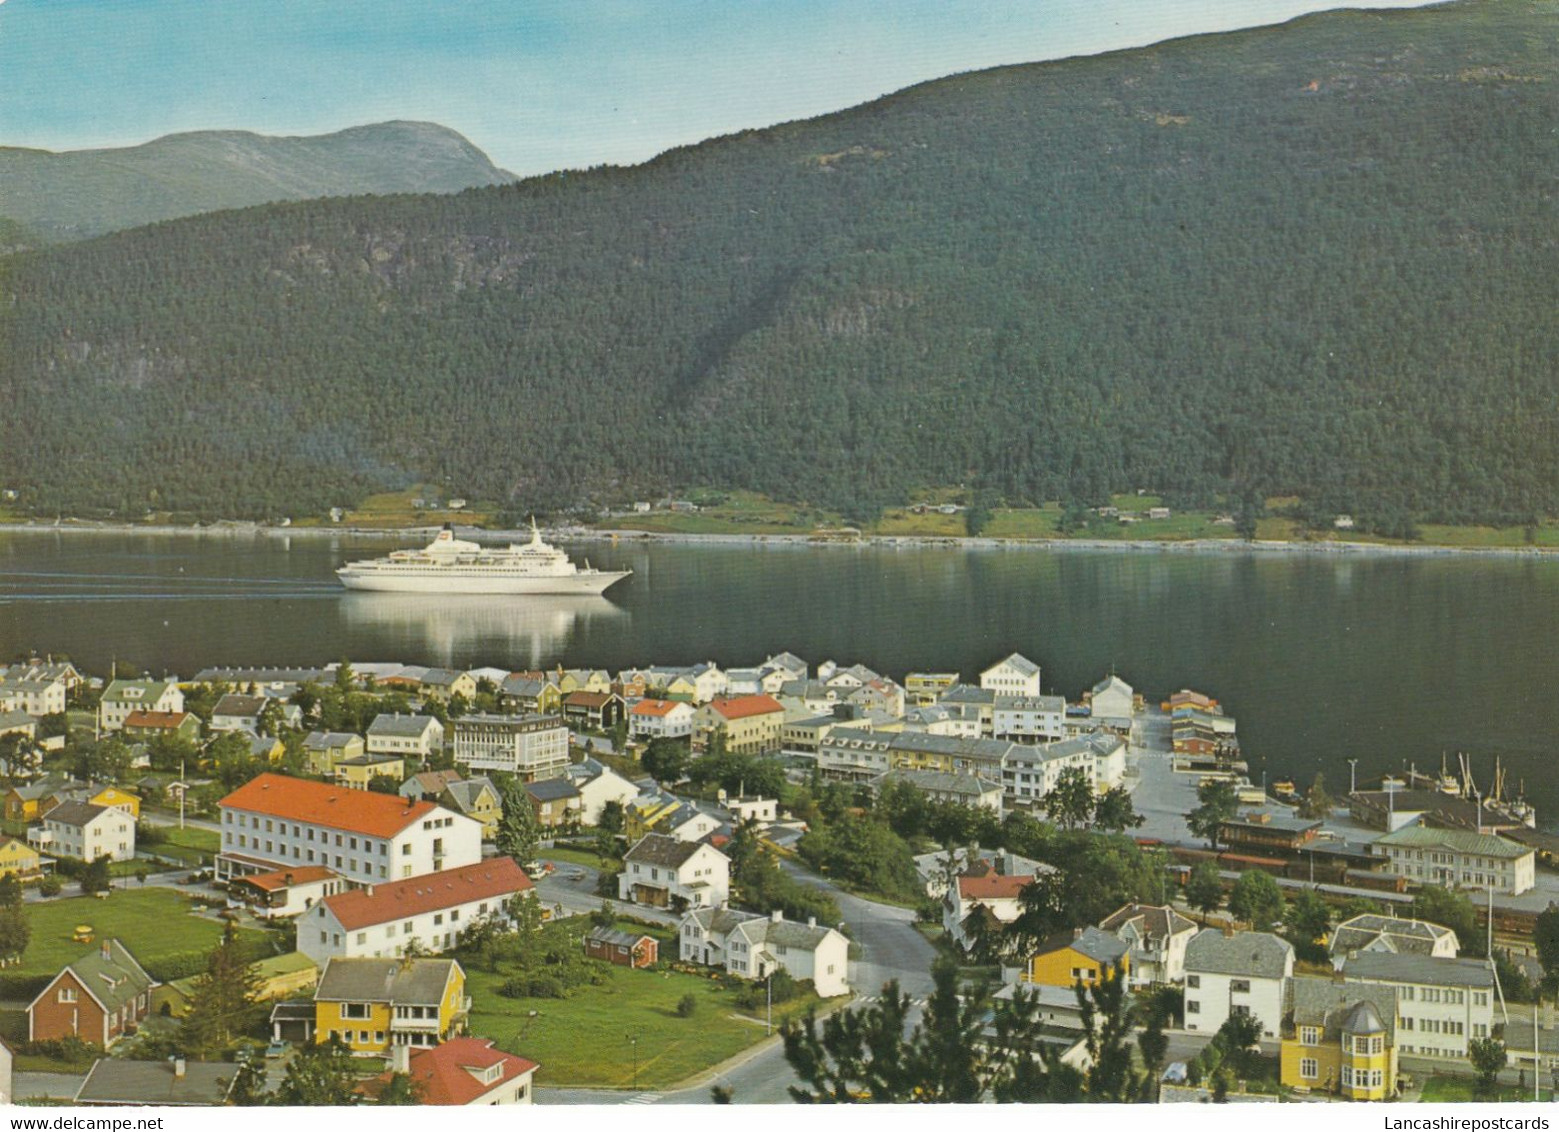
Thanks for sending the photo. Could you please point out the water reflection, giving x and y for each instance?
(525, 632)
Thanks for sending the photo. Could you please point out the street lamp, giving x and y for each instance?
(768, 986)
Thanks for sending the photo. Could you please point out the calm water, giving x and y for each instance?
(1386, 660)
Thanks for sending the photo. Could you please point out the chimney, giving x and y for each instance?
(1228, 931)
(368, 890)
(107, 952)
(811, 921)
(1077, 933)
(400, 1058)
(179, 1067)
(776, 916)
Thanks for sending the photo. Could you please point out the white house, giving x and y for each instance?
(121, 697)
(86, 832)
(854, 754)
(414, 736)
(752, 946)
(429, 912)
(1016, 675)
(275, 821)
(1442, 1004)
(1458, 858)
(1158, 937)
(989, 894)
(1029, 719)
(707, 679)
(661, 719)
(530, 746)
(1236, 973)
(661, 871)
(599, 784)
(1370, 932)
(284, 893)
(1113, 702)
(36, 697)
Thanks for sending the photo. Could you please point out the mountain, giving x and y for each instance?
(1315, 260)
(81, 193)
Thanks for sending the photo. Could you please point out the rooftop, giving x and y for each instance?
(317, 803)
(494, 879)
(402, 982)
(1465, 842)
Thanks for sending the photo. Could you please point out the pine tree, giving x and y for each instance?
(222, 1003)
(519, 831)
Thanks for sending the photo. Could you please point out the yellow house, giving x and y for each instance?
(681, 688)
(1340, 1039)
(750, 725)
(1082, 956)
(642, 816)
(374, 1004)
(19, 859)
(114, 797)
(356, 774)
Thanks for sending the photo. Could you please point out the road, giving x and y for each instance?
(890, 948)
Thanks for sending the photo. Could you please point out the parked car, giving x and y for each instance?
(278, 1048)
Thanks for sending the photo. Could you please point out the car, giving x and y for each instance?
(278, 1048)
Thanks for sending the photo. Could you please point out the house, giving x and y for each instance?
(1029, 719)
(324, 749)
(98, 998)
(265, 748)
(428, 912)
(1083, 955)
(150, 724)
(373, 1005)
(122, 697)
(418, 737)
(664, 872)
(1340, 1039)
(1268, 834)
(583, 680)
(1188, 699)
(1158, 937)
(944, 786)
(804, 735)
(976, 903)
(1388, 934)
(1228, 972)
(1029, 774)
(924, 688)
(1458, 858)
(625, 949)
(444, 684)
(115, 798)
(599, 784)
(237, 713)
(530, 695)
(1015, 675)
(749, 725)
(358, 773)
(478, 799)
(556, 802)
(428, 784)
(854, 754)
(529, 746)
(114, 1082)
(20, 860)
(763, 811)
(973, 709)
(1442, 1004)
(707, 680)
(18, 722)
(599, 710)
(937, 870)
(33, 690)
(29, 802)
(274, 822)
(285, 892)
(751, 946)
(463, 1071)
(665, 813)
(86, 832)
(1113, 703)
(660, 719)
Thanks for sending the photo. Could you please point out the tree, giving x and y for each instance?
(10, 891)
(1488, 1058)
(519, 830)
(320, 1075)
(1305, 925)
(1113, 811)
(223, 999)
(1317, 803)
(400, 1090)
(1218, 803)
(15, 932)
(1257, 900)
(1204, 888)
(612, 817)
(1546, 937)
(95, 877)
(1451, 910)
(665, 759)
(1070, 804)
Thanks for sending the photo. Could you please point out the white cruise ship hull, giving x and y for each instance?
(453, 580)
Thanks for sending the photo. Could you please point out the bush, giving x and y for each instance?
(148, 834)
(22, 988)
(532, 986)
(69, 1048)
(687, 1006)
(751, 996)
(51, 886)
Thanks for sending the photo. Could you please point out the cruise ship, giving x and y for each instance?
(448, 565)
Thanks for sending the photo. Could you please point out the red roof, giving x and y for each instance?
(381, 903)
(588, 699)
(992, 886)
(163, 719)
(274, 881)
(740, 707)
(655, 707)
(319, 803)
(446, 1073)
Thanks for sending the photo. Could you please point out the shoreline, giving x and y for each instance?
(912, 542)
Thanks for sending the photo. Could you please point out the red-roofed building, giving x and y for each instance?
(603, 710)
(982, 899)
(750, 725)
(286, 892)
(276, 822)
(146, 724)
(661, 719)
(461, 1071)
(380, 920)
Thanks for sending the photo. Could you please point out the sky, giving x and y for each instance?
(538, 84)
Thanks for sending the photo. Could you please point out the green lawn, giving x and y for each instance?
(151, 922)
(563, 855)
(190, 845)
(584, 1040)
(1445, 1090)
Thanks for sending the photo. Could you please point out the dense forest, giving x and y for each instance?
(1315, 260)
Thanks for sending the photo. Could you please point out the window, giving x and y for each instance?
(362, 937)
(354, 1010)
(1309, 1068)
(407, 927)
(1192, 1006)
(1377, 1045)
(1239, 986)
(1347, 1076)
(67, 994)
(438, 918)
(1309, 1035)
(1193, 982)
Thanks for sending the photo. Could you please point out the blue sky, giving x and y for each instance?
(538, 84)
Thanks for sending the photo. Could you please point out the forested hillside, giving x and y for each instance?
(82, 193)
(1314, 260)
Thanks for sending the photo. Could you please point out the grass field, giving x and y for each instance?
(151, 922)
(190, 845)
(563, 854)
(584, 1040)
(394, 509)
(1464, 1089)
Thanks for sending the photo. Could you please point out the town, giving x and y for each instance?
(379, 883)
